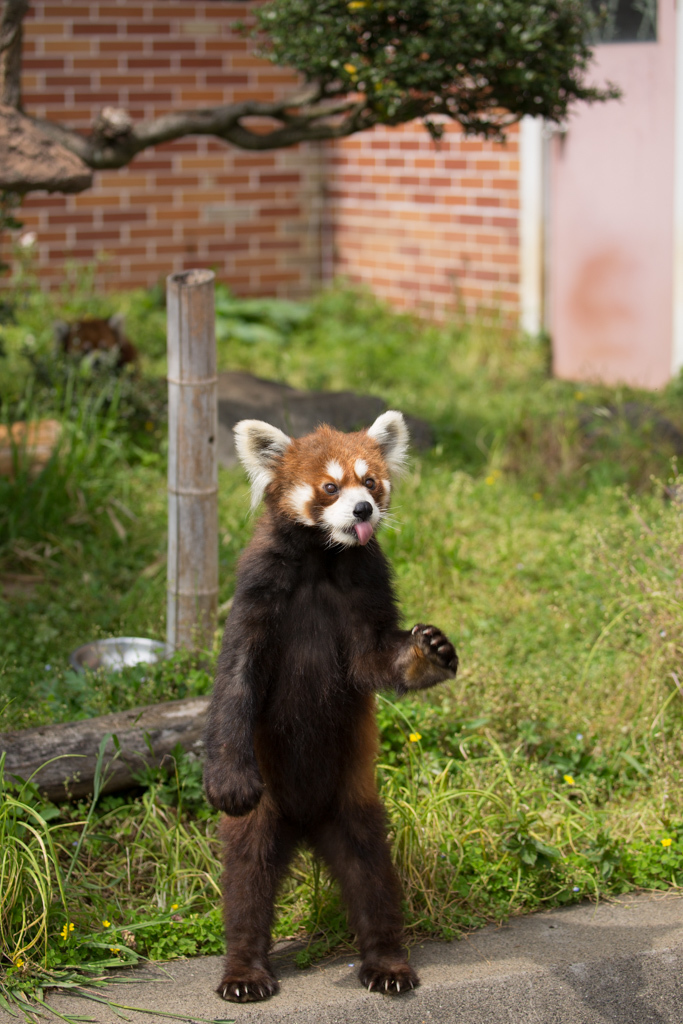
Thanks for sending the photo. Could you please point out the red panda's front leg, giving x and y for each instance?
(232, 779)
(408, 660)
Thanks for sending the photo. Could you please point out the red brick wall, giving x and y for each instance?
(427, 227)
(195, 202)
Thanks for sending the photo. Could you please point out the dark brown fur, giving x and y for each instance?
(291, 741)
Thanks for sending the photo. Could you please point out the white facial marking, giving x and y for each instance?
(386, 484)
(334, 470)
(360, 468)
(298, 502)
(339, 518)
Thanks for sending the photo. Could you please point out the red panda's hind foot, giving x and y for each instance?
(393, 978)
(250, 985)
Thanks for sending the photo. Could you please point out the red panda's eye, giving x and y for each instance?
(330, 488)
(370, 484)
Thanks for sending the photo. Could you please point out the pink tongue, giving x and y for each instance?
(364, 532)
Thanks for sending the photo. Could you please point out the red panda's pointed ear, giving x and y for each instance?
(259, 446)
(391, 433)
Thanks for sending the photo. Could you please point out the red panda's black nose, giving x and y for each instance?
(362, 510)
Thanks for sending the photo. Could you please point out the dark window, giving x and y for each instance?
(625, 21)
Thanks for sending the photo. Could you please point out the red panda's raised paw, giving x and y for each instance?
(394, 979)
(436, 646)
(251, 986)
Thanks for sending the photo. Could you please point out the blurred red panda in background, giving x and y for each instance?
(94, 335)
(291, 740)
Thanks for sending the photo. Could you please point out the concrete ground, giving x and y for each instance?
(618, 963)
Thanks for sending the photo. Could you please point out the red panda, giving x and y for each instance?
(291, 737)
(92, 335)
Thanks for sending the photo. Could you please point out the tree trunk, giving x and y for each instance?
(145, 736)
(11, 31)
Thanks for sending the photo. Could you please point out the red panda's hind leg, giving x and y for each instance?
(257, 849)
(355, 846)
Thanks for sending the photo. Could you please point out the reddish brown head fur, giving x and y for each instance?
(340, 483)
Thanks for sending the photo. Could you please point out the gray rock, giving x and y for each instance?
(608, 420)
(242, 396)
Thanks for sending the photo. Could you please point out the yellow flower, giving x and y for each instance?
(106, 924)
(537, 496)
(71, 927)
(414, 737)
(578, 395)
(356, 5)
(666, 842)
(115, 949)
(569, 780)
(174, 906)
(350, 69)
(490, 480)
(19, 962)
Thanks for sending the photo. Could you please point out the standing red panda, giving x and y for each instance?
(291, 737)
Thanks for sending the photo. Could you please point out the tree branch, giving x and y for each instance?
(300, 120)
(314, 113)
(13, 14)
(462, 81)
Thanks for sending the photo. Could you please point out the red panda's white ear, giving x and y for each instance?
(259, 446)
(391, 433)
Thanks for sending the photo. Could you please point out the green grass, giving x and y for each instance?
(543, 533)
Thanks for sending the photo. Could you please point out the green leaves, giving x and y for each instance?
(519, 839)
(264, 321)
(482, 64)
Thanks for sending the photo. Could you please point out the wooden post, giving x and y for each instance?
(192, 575)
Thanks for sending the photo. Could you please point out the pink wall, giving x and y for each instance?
(611, 221)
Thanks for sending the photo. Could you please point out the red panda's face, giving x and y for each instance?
(335, 482)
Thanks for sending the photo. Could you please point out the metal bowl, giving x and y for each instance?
(117, 652)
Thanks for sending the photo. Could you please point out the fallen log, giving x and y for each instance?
(144, 736)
